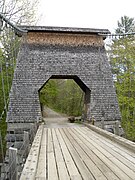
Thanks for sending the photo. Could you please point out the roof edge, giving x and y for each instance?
(71, 30)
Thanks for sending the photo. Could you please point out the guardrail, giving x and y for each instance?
(17, 157)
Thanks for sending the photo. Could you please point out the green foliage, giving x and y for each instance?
(125, 25)
(122, 61)
(49, 93)
(6, 76)
(21, 12)
(3, 128)
(8, 52)
(64, 96)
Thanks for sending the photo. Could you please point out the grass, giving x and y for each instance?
(78, 121)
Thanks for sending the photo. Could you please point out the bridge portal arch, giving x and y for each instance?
(60, 52)
(83, 87)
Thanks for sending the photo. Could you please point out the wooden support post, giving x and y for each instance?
(32, 134)
(35, 128)
(26, 143)
(13, 169)
(0, 169)
(117, 123)
(93, 120)
(102, 122)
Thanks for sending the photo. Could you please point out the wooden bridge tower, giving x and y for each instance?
(69, 53)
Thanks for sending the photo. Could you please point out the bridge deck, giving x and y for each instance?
(80, 153)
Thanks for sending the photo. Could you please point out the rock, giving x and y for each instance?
(71, 119)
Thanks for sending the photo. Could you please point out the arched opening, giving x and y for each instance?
(65, 94)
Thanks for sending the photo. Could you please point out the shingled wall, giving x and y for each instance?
(44, 54)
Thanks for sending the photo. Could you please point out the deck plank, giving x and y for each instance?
(85, 173)
(41, 167)
(61, 165)
(119, 168)
(90, 158)
(116, 146)
(77, 153)
(52, 169)
(72, 169)
(111, 149)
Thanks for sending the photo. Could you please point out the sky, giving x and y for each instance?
(85, 13)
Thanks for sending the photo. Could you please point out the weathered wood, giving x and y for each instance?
(13, 169)
(126, 157)
(52, 170)
(19, 126)
(116, 128)
(122, 141)
(33, 131)
(81, 165)
(102, 123)
(26, 143)
(61, 165)
(14, 137)
(17, 131)
(41, 167)
(64, 39)
(118, 168)
(97, 167)
(72, 169)
(29, 170)
(80, 153)
(17, 145)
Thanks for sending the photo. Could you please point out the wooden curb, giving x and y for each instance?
(122, 141)
(30, 167)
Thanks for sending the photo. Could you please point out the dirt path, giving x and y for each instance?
(54, 119)
(49, 113)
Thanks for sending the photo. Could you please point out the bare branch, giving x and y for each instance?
(20, 11)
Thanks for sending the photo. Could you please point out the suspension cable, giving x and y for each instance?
(18, 30)
(117, 34)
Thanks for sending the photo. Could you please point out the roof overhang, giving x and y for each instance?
(69, 30)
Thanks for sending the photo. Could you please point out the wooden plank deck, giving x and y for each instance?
(78, 153)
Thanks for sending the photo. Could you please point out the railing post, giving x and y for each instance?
(102, 122)
(13, 169)
(32, 132)
(26, 143)
(117, 123)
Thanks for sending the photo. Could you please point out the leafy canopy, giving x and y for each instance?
(122, 61)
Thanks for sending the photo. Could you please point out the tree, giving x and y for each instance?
(64, 96)
(125, 25)
(49, 93)
(19, 11)
(122, 61)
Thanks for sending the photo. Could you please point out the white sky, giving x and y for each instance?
(85, 13)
